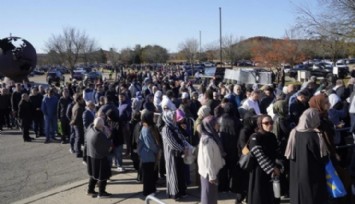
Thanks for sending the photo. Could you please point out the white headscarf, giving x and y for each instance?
(167, 103)
(157, 98)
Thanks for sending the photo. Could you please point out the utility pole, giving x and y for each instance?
(200, 48)
(220, 35)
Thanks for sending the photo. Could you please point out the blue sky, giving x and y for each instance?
(125, 23)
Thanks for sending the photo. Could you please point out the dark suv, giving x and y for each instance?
(54, 77)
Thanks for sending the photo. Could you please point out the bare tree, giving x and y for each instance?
(113, 57)
(127, 56)
(230, 47)
(336, 19)
(70, 45)
(189, 49)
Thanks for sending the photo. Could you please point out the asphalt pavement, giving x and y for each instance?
(33, 167)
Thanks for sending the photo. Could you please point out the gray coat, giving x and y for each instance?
(97, 143)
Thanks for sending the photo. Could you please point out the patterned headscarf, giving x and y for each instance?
(168, 118)
(208, 129)
(308, 122)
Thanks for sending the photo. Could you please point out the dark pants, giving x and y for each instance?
(7, 117)
(79, 140)
(72, 138)
(149, 178)
(26, 124)
(38, 123)
(2, 118)
(64, 122)
(93, 182)
(180, 173)
(227, 175)
(126, 136)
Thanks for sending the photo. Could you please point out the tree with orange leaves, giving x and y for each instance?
(274, 53)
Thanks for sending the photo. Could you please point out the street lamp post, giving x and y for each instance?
(220, 35)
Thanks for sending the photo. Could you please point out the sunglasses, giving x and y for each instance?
(268, 123)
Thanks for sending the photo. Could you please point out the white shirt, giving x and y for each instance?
(209, 160)
(251, 104)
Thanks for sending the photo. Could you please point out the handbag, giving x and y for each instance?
(334, 184)
(246, 160)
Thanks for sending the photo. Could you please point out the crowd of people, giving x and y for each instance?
(163, 120)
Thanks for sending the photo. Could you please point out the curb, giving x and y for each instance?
(52, 192)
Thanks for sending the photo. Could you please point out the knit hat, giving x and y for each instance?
(204, 111)
(184, 95)
(180, 115)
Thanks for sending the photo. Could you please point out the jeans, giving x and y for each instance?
(79, 139)
(51, 126)
(117, 155)
(72, 138)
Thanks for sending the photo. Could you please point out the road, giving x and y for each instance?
(27, 169)
(31, 168)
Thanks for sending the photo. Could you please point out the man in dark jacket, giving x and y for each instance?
(36, 100)
(5, 107)
(298, 106)
(109, 105)
(89, 114)
(15, 100)
(125, 112)
(69, 113)
(77, 122)
(62, 107)
(25, 114)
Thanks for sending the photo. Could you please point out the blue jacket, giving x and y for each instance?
(49, 106)
(88, 118)
(147, 147)
(125, 111)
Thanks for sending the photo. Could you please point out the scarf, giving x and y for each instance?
(280, 108)
(318, 102)
(168, 118)
(208, 131)
(309, 122)
(157, 98)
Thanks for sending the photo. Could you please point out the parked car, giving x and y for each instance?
(78, 74)
(319, 69)
(55, 76)
(92, 77)
(37, 71)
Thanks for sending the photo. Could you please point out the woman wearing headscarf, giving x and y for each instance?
(157, 101)
(263, 146)
(249, 126)
(281, 127)
(137, 102)
(210, 160)
(321, 103)
(229, 133)
(281, 130)
(174, 148)
(148, 104)
(203, 112)
(98, 165)
(148, 150)
(307, 153)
